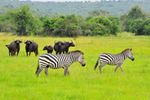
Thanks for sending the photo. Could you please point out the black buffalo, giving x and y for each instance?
(63, 47)
(14, 47)
(31, 47)
(48, 48)
(58, 46)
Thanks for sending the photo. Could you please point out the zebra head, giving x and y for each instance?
(81, 60)
(129, 54)
(79, 56)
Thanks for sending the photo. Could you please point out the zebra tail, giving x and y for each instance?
(96, 64)
(37, 69)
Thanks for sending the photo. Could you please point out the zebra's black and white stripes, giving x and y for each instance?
(59, 61)
(114, 59)
(65, 60)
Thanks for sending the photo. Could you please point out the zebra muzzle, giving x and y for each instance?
(133, 59)
(83, 65)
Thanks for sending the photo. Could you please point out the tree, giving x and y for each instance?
(69, 25)
(26, 23)
(133, 20)
(48, 25)
(6, 23)
(22, 18)
(146, 27)
(135, 13)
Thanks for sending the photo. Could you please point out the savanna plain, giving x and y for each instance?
(18, 80)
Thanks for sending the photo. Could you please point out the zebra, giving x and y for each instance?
(114, 59)
(59, 61)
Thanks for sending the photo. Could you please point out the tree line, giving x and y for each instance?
(23, 21)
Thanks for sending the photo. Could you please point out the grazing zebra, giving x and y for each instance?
(59, 61)
(114, 59)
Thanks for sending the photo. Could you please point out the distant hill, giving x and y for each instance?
(81, 8)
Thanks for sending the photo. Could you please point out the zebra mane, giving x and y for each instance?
(76, 51)
(126, 50)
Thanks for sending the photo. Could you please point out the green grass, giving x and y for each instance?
(18, 81)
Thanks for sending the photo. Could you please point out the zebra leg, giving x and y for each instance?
(65, 70)
(118, 65)
(68, 72)
(121, 69)
(46, 71)
(100, 67)
(116, 68)
(38, 70)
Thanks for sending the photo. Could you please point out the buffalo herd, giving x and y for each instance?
(31, 46)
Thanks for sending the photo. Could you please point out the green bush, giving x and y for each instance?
(136, 21)
(102, 25)
(67, 26)
(139, 26)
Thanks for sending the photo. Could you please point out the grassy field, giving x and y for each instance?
(18, 81)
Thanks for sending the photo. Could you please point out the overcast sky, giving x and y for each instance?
(64, 0)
